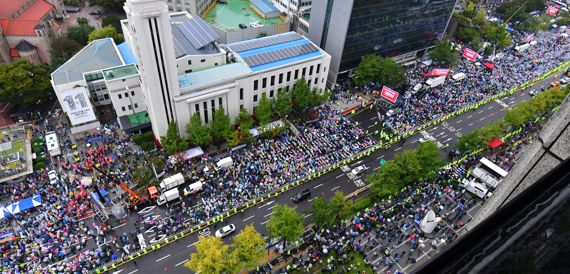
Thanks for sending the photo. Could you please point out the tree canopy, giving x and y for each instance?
(264, 111)
(283, 103)
(331, 212)
(81, 31)
(301, 95)
(112, 20)
(244, 120)
(199, 134)
(62, 48)
(247, 248)
(285, 224)
(474, 28)
(172, 142)
(220, 124)
(444, 53)
(106, 32)
(386, 71)
(24, 83)
(209, 256)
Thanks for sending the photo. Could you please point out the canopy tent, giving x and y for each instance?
(495, 143)
(429, 222)
(192, 153)
(489, 65)
(20, 206)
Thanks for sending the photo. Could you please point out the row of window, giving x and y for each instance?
(295, 77)
(99, 98)
(93, 77)
(205, 108)
(272, 92)
(127, 94)
(130, 107)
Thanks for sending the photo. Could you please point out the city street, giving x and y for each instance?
(172, 257)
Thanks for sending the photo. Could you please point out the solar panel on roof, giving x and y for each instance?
(198, 32)
(280, 54)
(254, 44)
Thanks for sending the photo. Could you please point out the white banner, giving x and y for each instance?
(75, 102)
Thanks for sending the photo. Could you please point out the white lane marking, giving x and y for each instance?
(158, 260)
(136, 270)
(440, 134)
(480, 111)
(459, 121)
(469, 116)
(335, 188)
(482, 119)
(270, 208)
(357, 162)
(308, 215)
(310, 200)
(398, 149)
(192, 244)
(380, 156)
(371, 126)
(433, 129)
(181, 263)
(340, 176)
(267, 215)
(377, 168)
(415, 141)
(265, 222)
(447, 140)
(119, 226)
(503, 104)
(248, 218)
(118, 271)
(317, 186)
(372, 118)
(444, 135)
(470, 124)
(490, 107)
(266, 204)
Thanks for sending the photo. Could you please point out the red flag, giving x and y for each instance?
(470, 54)
(552, 10)
(440, 72)
(389, 94)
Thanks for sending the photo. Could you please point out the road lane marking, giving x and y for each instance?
(248, 218)
(335, 188)
(118, 271)
(357, 162)
(308, 215)
(469, 116)
(372, 118)
(340, 176)
(119, 226)
(470, 124)
(415, 141)
(317, 186)
(380, 156)
(398, 149)
(370, 126)
(444, 135)
(192, 244)
(490, 107)
(440, 134)
(447, 140)
(158, 260)
(310, 200)
(267, 215)
(136, 270)
(459, 121)
(480, 111)
(265, 222)
(433, 129)
(481, 119)
(266, 204)
(181, 263)
(270, 208)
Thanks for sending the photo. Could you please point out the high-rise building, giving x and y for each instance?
(349, 29)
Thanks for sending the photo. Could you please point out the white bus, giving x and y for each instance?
(489, 173)
(52, 144)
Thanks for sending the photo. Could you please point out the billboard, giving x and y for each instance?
(75, 102)
(389, 94)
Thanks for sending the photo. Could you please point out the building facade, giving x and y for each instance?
(350, 29)
(27, 28)
(194, 7)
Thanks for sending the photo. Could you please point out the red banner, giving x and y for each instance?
(439, 72)
(552, 10)
(470, 54)
(389, 94)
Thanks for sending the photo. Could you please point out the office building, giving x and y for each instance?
(350, 29)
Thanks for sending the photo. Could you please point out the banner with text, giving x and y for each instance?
(389, 94)
(470, 54)
(76, 104)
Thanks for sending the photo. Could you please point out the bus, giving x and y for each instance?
(489, 173)
(52, 144)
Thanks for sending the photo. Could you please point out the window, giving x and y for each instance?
(205, 112)
(120, 96)
(197, 108)
(311, 70)
(288, 76)
(220, 102)
(189, 62)
(325, 69)
(309, 82)
(316, 81)
(271, 94)
(255, 98)
(304, 70)
(132, 93)
(203, 61)
(273, 80)
(241, 93)
(213, 103)
(188, 71)
(280, 78)
(130, 107)
(126, 95)
(318, 68)
(123, 108)
(296, 74)
(136, 105)
(215, 64)
(106, 96)
(255, 84)
(264, 83)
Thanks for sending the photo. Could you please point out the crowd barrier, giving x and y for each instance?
(393, 139)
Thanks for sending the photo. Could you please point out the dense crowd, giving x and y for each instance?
(511, 68)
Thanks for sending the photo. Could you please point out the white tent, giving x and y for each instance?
(429, 222)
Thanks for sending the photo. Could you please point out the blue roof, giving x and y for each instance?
(213, 74)
(256, 51)
(286, 61)
(265, 6)
(126, 53)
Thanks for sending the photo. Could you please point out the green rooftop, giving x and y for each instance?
(227, 17)
(120, 72)
(139, 118)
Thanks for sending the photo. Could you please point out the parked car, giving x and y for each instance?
(242, 26)
(564, 81)
(532, 93)
(555, 84)
(225, 231)
(300, 196)
(52, 175)
(95, 12)
(358, 170)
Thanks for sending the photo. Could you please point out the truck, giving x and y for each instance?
(193, 188)
(52, 144)
(459, 76)
(476, 188)
(168, 196)
(434, 82)
(172, 182)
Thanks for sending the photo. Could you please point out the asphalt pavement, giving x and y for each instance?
(171, 258)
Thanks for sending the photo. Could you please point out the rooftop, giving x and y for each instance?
(97, 55)
(126, 53)
(212, 74)
(275, 50)
(120, 72)
(227, 17)
(25, 23)
(265, 6)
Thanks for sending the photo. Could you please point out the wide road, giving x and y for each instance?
(172, 257)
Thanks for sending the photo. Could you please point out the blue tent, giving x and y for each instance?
(20, 206)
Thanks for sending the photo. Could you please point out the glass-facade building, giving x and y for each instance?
(349, 29)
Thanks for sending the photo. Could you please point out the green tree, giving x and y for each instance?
(172, 142)
(264, 111)
(244, 120)
(81, 31)
(62, 48)
(199, 134)
(106, 32)
(233, 139)
(220, 124)
(301, 95)
(322, 212)
(386, 181)
(24, 83)
(143, 175)
(247, 249)
(108, 4)
(285, 224)
(340, 206)
(443, 53)
(386, 71)
(209, 257)
(479, 19)
(112, 20)
(283, 103)
(428, 155)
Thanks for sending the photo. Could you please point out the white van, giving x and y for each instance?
(172, 182)
(226, 162)
(168, 196)
(459, 76)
